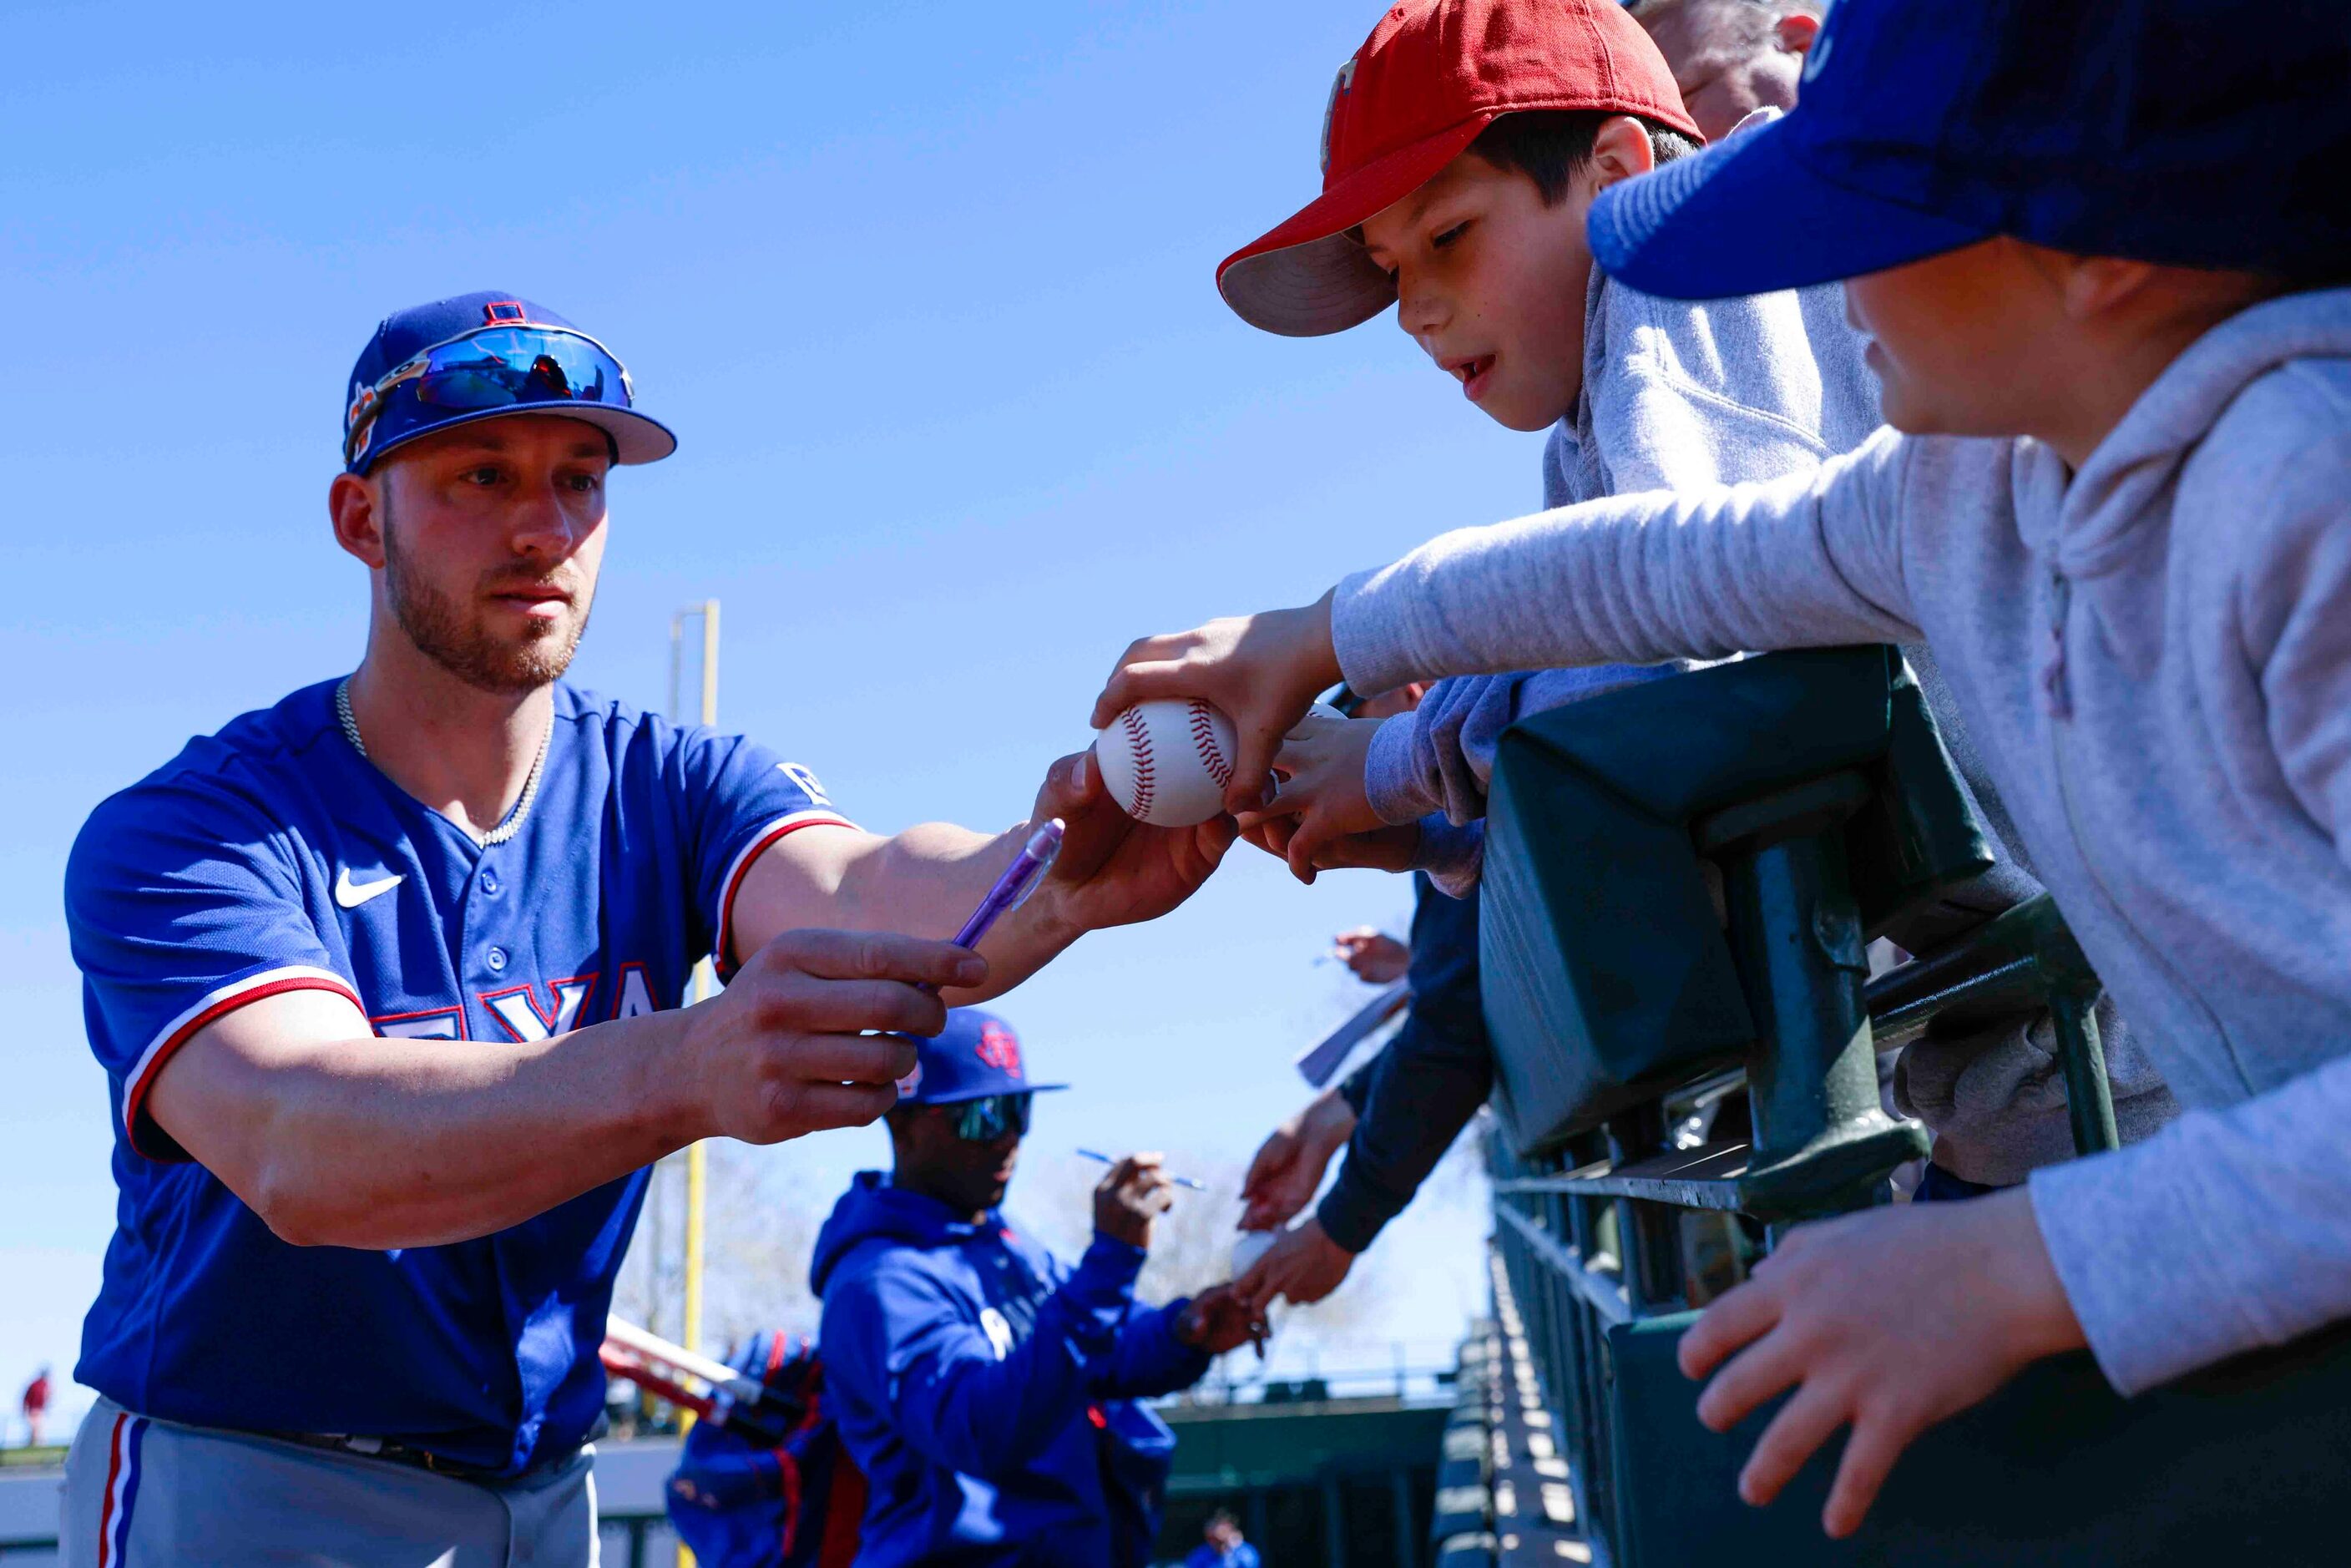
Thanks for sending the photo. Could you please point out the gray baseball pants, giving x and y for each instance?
(141, 1491)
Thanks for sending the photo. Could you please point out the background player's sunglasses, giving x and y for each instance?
(496, 367)
(988, 1118)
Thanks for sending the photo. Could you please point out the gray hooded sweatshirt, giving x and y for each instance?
(2154, 656)
(1683, 396)
(1676, 395)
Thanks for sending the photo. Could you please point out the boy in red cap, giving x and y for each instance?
(2105, 254)
(1464, 144)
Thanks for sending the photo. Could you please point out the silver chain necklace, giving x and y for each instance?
(515, 819)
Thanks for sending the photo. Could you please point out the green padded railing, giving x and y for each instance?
(1680, 879)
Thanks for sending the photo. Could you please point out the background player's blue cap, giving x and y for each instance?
(2188, 132)
(975, 1056)
(483, 356)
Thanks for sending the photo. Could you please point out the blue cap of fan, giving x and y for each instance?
(2185, 132)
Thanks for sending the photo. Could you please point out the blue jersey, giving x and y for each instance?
(274, 857)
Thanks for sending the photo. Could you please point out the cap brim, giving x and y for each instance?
(1306, 278)
(1748, 216)
(636, 437)
(960, 1095)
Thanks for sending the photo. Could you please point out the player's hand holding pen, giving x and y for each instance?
(1263, 670)
(787, 1048)
(1132, 1194)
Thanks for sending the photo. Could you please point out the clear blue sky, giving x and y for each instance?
(925, 290)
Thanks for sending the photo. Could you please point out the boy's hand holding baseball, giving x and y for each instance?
(1262, 670)
(1889, 1321)
(1382, 849)
(1323, 794)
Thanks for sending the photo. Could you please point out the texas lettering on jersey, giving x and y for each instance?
(531, 1013)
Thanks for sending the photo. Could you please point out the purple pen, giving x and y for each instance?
(1014, 884)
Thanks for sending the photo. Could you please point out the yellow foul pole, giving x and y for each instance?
(704, 986)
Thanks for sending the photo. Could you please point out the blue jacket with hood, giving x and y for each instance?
(987, 1389)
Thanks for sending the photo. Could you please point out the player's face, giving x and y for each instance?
(492, 537)
(1490, 283)
(968, 1177)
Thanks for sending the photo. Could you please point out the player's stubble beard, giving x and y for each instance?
(445, 634)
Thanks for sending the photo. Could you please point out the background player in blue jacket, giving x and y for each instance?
(987, 1388)
(385, 981)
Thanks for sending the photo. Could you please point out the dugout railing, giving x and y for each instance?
(1681, 883)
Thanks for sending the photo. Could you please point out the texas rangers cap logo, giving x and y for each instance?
(998, 1048)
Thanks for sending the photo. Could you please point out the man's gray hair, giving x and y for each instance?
(1644, 11)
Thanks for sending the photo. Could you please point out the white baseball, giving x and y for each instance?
(1166, 762)
(1249, 1247)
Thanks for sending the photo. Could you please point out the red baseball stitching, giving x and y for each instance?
(1203, 739)
(1138, 746)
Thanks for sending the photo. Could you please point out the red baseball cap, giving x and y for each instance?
(1433, 75)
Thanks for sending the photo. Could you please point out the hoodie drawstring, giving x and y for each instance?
(2055, 698)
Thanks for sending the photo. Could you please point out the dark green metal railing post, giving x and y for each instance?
(1823, 1142)
(2089, 1098)
(1647, 1235)
(1334, 1520)
(1407, 1535)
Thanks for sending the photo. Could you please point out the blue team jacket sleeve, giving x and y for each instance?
(739, 799)
(1150, 1360)
(949, 1394)
(182, 903)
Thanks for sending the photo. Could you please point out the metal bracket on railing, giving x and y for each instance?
(2019, 962)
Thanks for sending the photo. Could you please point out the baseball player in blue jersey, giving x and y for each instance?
(385, 981)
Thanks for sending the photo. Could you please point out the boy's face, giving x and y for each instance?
(1490, 283)
(2007, 338)
(1962, 342)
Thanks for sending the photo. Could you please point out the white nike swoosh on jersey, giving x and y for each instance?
(351, 895)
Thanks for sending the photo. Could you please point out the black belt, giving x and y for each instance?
(394, 1452)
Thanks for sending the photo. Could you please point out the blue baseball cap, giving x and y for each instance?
(487, 356)
(975, 1056)
(2185, 132)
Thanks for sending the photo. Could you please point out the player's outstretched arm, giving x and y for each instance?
(1113, 871)
(1263, 670)
(337, 1138)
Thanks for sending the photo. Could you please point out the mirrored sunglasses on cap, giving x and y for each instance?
(989, 1117)
(497, 366)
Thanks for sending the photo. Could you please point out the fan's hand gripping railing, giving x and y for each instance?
(1681, 881)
